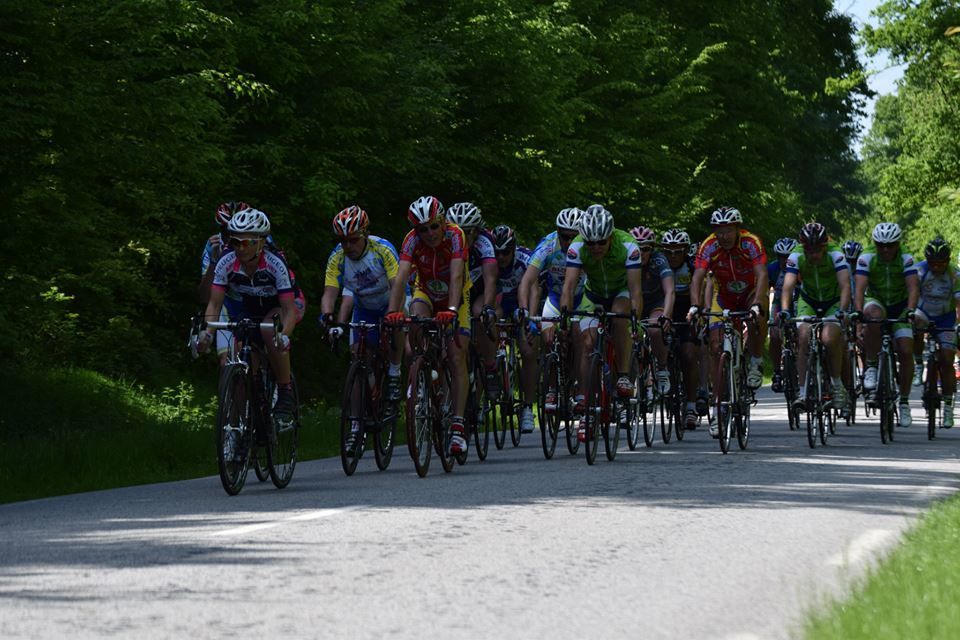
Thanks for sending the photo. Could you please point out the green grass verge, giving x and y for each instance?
(913, 593)
(71, 430)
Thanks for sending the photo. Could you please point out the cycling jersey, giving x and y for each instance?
(938, 294)
(551, 261)
(733, 271)
(608, 276)
(366, 279)
(433, 264)
(508, 280)
(481, 253)
(652, 275)
(886, 280)
(818, 282)
(261, 291)
(231, 298)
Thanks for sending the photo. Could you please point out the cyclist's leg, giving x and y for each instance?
(903, 341)
(872, 310)
(659, 346)
(457, 360)
(776, 339)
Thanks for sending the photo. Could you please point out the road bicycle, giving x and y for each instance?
(732, 396)
(508, 403)
(885, 396)
(791, 383)
(819, 401)
(556, 363)
(479, 418)
(365, 410)
(854, 381)
(661, 407)
(932, 398)
(245, 395)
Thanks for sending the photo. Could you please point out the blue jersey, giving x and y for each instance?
(551, 260)
(508, 280)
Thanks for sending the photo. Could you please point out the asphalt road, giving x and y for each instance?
(669, 542)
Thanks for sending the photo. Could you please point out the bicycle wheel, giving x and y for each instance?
(504, 405)
(723, 402)
(515, 393)
(549, 420)
(637, 421)
(443, 401)
(260, 464)
(791, 390)
(479, 412)
(667, 417)
(285, 436)
(612, 425)
(931, 399)
(678, 388)
(743, 424)
(814, 400)
(594, 408)
(259, 454)
(233, 428)
(420, 416)
(353, 407)
(886, 404)
(569, 420)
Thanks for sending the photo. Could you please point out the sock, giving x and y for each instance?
(393, 370)
(836, 381)
(756, 362)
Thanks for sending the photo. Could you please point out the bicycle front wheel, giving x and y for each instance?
(479, 413)
(420, 416)
(931, 399)
(549, 419)
(353, 407)
(234, 428)
(285, 436)
(723, 402)
(594, 408)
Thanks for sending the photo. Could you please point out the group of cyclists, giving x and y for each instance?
(456, 269)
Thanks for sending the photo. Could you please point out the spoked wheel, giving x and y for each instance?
(505, 420)
(386, 437)
(353, 411)
(679, 404)
(667, 423)
(261, 466)
(514, 388)
(549, 420)
(571, 425)
(282, 452)
(441, 426)
(479, 413)
(234, 429)
(813, 407)
(636, 411)
(886, 401)
(594, 408)
(931, 399)
(723, 403)
(651, 402)
(612, 424)
(829, 425)
(420, 417)
(814, 425)
(743, 424)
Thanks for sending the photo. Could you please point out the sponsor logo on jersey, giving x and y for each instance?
(572, 253)
(635, 254)
(737, 286)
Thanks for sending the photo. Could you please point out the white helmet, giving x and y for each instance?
(596, 223)
(675, 236)
(726, 215)
(425, 209)
(569, 219)
(785, 246)
(249, 221)
(465, 215)
(887, 232)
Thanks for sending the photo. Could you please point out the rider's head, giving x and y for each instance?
(886, 237)
(248, 229)
(813, 237)
(937, 252)
(504, 245)
(226, 210)
(426, 215)
(645, 238)
(351, 226)
(675, 244)
(568, 226)
(466, 215)
(726, 223)
(596, 227)
(851, 251)
(783, 248)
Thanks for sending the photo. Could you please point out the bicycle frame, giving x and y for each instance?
(732, 396)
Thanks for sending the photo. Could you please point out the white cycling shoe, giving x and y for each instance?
(905, 418)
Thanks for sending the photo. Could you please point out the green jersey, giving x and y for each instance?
(819, 281)
(887, 281)
(607, 276)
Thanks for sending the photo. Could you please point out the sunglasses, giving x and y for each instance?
(244, 242)
(675, 252)
(428, 227)
(503, 252)
(646, 249)
(887, 245)
(567, 237)
(594, 243)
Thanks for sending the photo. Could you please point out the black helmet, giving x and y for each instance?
(813, 234)
(937, 249)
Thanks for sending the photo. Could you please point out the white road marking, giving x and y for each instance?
(303, 517)
(867, 543)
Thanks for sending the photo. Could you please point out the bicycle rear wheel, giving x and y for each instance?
(261, 466)
(549, 420)
(282, 452)
(594, 408)
(443, 399)
(420, 417)
(723, 402)
(678, 389)
(743, 425)
(353, 410)
(234, 428)
(479, 413)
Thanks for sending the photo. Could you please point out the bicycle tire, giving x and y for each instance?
(814, 401)
(723, 402)
(650, 403)
(883, 401)
(354, 387)
(481, 413)
(442, 397)
(593, 412)
(612, 427)
(743, 426)
(387, 414)
(549, 421)
(635, 409)
(931, 399)
(516, 394)
(261, 466)
(678, 387)
(420, 417)
(284, 439)
(233, 417)
(791, 390)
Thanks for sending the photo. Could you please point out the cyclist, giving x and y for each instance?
(675, 245)
(888, 287)
(823, 275)
(549, 264)
(658, 297)
(439, 253)
(776, 271)
(482, 266)
(512, 261)
(610, 258)
(738, 263)
(851, 251)
(267, 286)
(215, 247)
(939, 293)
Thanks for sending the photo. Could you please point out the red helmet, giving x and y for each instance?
(424, 209)
(226, 210)
(350, 220)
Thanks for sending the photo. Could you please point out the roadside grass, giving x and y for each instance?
(71, 430)
(913, 593)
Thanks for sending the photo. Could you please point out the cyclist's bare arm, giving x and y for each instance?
(397, 290)
(635, 285)
(346, 309)
(913, 290)
(526, 296)
(696, 287)
(861, 288)
(214, 304)
(489, 274)
(844, 281)
(288, 314)
(669, 296)
(329, 300)
(786, 294)
(203, 290)
(456, 282)
(763, 284)
(569, 284)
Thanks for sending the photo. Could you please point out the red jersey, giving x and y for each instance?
(733, 271)
(432, 266)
